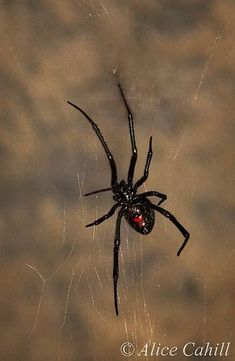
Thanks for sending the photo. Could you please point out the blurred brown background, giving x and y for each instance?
(176, 63)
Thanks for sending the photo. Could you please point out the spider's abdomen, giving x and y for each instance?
(141, 217)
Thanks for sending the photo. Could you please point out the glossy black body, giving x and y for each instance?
(136, 208)
(140, 216)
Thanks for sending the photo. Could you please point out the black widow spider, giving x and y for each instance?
(136, 208)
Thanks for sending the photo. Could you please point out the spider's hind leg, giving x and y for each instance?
(172, 218)
(156, 194)
(117, 241)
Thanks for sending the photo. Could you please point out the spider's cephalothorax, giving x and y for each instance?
(123, 192)
(138, 212)
(135, 207)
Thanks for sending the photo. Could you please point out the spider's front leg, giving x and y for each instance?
(116, 247)
(172, 218)
(109, 155)
(146, 168)
(132, 136)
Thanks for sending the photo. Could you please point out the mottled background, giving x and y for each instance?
(176, 63)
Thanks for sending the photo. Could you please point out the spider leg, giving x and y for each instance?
(172, 218)
(146, 168)
(116, 247)
(104, 144)
(99, 191)
(132, 135)
(154, 193)
(106, 216)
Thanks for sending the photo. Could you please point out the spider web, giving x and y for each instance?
(71, 313)
(133, 325)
